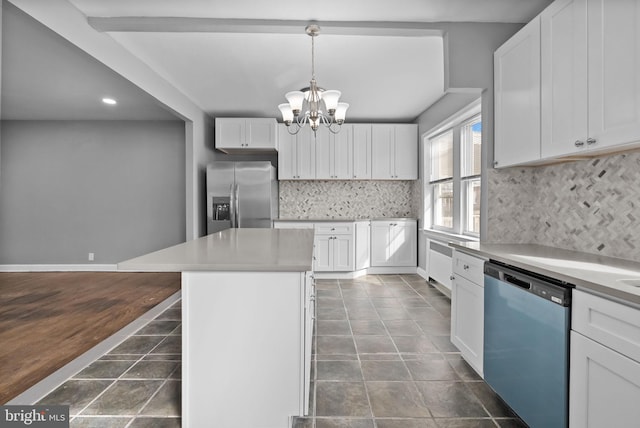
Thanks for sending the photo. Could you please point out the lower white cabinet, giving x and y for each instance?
(604, 380)
(467, 308)
(394, 243)
(334, 253)
(363, 244)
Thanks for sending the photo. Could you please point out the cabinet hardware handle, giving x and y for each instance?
(591, 141)
(495, 163)
(465, 267)
(579, 143)
(452, 277)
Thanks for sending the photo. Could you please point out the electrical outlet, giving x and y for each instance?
(91, 257)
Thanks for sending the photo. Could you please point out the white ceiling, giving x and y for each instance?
(240, 57)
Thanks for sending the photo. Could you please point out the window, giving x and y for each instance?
(452, 194)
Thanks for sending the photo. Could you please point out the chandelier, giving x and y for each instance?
(313, 105)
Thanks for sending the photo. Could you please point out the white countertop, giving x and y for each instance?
(605, 275)
(260, 250)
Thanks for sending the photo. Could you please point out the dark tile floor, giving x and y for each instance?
(382, 359)
(135, 385)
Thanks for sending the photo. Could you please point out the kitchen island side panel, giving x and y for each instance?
(242, 348)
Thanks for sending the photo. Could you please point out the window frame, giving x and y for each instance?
(455, 123)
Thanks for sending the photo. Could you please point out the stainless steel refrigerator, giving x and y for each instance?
(241, 194)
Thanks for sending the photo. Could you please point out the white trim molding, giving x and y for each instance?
(60, 268)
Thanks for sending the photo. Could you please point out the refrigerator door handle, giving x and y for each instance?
(237, 205)
(232, 207)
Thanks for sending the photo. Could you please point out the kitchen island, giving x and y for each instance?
(247, 324)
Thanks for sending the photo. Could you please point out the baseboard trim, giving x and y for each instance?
(59, 268)
(423, 273)
(57, 378)
(373, 270)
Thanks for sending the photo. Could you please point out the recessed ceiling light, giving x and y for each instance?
(109, 101)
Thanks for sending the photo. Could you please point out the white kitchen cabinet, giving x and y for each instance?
(564, 102)
(586, 99)
(517, 97)
(394, 151)
(334, 247)
(361, 151)
(613, 30)
(467, 308)
(237, 134)
(334, 154)
(394, 243)
(604, 380)
(296, 154)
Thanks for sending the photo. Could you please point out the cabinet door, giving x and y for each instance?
(230, 132)
(467, 320)
(604, 386)
(342, 153)
(380, 251)
(564, 101)
(323, 253)
(324, 155)
(614, 75)
(382, 152)
(361, 151)
(343, 253)
(261, 133)
(287, 160)
(406, 152)
(306, 154)
(403, 244)
(517, 97)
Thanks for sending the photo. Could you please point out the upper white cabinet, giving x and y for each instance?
(564, 78)
(614, 72)
(394, 152)
(517, 97)
(296, 154)
(236, 134)
(588, 78)
(394, 242)
(334, 154)
(361, 151)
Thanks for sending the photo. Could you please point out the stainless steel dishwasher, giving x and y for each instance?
(526, 343)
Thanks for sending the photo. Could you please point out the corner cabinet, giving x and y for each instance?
(394, 152)
(394, 243)
(517, 97)
(245, 134)
(296, 154)
(604, 380)
(467, 308)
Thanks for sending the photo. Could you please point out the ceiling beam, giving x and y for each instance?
(260, 26)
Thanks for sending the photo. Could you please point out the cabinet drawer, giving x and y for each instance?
(469, 267)
(334, 228)
(612, 324)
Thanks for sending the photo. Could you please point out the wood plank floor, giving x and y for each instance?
(49, 318)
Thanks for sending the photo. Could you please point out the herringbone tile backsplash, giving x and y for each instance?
(348, 199)
(591, 205)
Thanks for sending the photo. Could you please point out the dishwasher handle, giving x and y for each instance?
(516, 281)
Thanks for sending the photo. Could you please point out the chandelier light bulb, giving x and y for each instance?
(287, 113)
(330, 99)
(341, 112)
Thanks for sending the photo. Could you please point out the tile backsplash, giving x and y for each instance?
(348, 199)
(590, 205)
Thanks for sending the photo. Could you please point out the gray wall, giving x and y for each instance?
(469, 51)
(116, 189)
